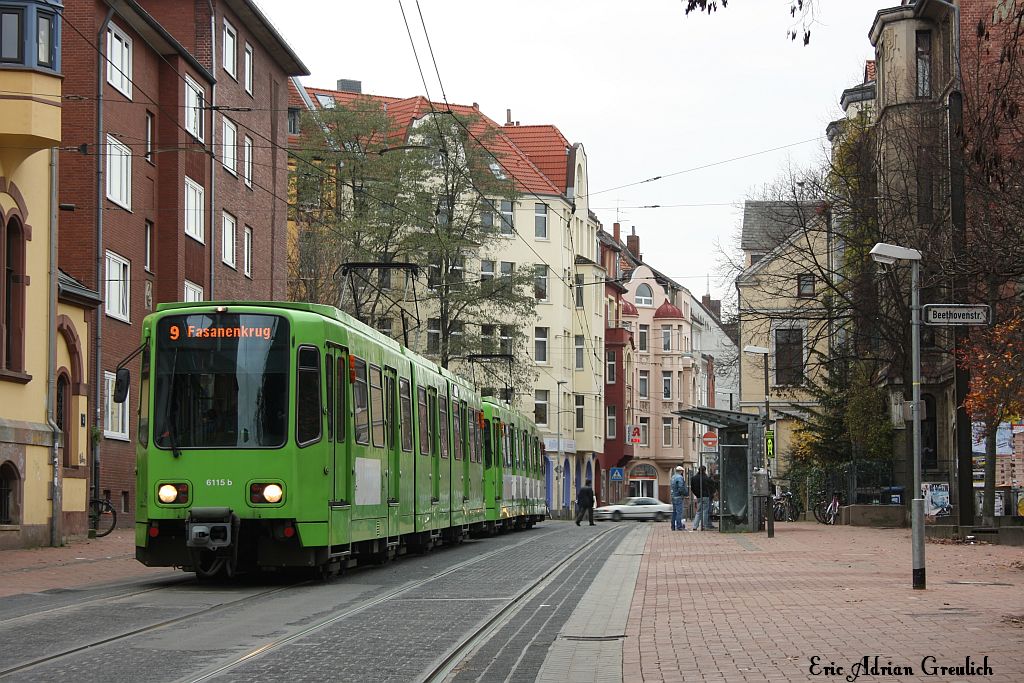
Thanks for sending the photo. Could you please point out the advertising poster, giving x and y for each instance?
(936, 499)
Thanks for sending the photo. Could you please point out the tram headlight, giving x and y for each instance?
(266, 493)
(172, 493)
(272, 493)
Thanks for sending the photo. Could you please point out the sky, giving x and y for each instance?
(645, 89)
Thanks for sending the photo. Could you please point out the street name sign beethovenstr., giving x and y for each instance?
(956, 314)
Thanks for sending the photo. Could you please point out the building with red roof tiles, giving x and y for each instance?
(549, 231)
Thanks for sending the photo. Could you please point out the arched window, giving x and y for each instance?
(10, 512)
(644, 295)
(12, 296)
(60, 415)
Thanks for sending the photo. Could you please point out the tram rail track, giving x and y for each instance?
(453, 656)
(99, 642)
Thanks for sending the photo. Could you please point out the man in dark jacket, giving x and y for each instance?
(585, 504)
(703, 489)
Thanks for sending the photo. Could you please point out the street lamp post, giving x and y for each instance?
(770, 513)
(558, 409)
(888, 254)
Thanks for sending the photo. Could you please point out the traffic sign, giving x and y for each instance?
(616, 474)
(769, 443)
(956, 314)
(710, 440)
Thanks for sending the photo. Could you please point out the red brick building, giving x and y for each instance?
(180, 108)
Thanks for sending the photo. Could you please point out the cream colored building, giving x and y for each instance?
(43, 354)
(780, 309)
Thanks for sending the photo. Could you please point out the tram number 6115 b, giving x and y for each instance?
(218, 482)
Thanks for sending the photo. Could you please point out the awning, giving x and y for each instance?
(715, 417)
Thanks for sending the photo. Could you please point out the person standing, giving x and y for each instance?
(585, 504)
(702, 488)
(679, 493)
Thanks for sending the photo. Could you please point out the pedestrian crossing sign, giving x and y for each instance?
(769, 443)
(616, 474)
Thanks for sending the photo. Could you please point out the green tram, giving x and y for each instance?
(276, 435)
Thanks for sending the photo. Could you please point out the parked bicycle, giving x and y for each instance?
(786, 508)
(102, 516)
(827, 510)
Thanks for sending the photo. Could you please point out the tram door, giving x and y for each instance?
(393, 450)
(339, 467)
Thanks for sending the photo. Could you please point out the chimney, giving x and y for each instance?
(633, 244)
(508, 117)
(713, 305)
(348, 85)
(476, 105)
(615, 232)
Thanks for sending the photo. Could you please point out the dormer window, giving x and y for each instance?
(644, 295)
(326, 101)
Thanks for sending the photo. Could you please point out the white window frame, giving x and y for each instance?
(198, 233)
(644, 335)
(119, 60)
(119, 173)
(666, 431)
(228, 239)
(541, 397)
(486, 270)
(229, 146)
(609, 366)
(647, 299)
(247, 67)
(540, 344)
(508, 225)
(579, 342)
(540, 277)
(666, 337)
(581, 416)
(666, 385)
(148, 237)
(433, 335)
(540, 221)
(115, 419)
(229, 59)
(195, 108)
(247, 253)
(247, 160)
(117, 299)
(643, 385)
(193, 292)
(611, 425)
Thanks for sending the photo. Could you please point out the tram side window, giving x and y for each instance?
(329, 372)
(443, 431)
(340, 414)
(377, 406)
(307, 397)
(361, 407)
(506, 446)
(432, 417)
(389, 414)
(421, 395)
(456, 431)
(405, 392)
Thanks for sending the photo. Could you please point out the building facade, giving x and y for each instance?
(183, 182)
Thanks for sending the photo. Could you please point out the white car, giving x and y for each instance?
(635, 508)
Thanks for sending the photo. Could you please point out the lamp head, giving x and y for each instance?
(891, 253)
(749, 348)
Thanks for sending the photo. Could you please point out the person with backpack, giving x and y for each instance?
(678, 491)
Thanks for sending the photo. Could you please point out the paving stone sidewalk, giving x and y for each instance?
(742, 607)
(83, 562)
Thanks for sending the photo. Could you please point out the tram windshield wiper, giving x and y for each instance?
(171, 411)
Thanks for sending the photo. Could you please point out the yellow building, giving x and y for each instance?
(43, 353)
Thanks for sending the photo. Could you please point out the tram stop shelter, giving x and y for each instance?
(740, 436)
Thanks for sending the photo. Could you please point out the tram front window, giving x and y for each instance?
(221, 381)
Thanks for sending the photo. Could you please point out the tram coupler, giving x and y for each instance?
(210, 528)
